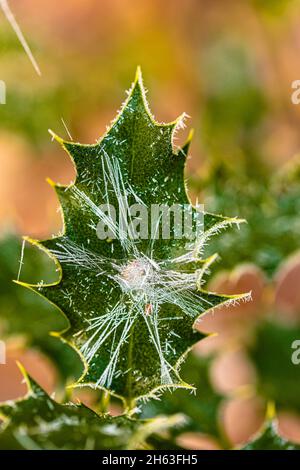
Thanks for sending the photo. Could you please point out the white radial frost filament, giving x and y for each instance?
(152, 324)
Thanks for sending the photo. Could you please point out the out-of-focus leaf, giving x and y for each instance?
(201, 408)
(274, 8)
(271, 208)
(238, 179)
(278, 377)
(269, 439)
(234, 106)
(38, 422)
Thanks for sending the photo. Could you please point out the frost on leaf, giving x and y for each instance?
(38, 422)
(131, 303)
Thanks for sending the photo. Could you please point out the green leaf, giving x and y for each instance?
(271, 207)
(131, 304)
(268, 438)
(274, 9)
(233, 119)
(278, 378)
(24, 313)
(38, 422)
(201, 408)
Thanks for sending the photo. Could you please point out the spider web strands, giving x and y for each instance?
(71, 253)
(13, 23)
(178, 280)
(107, 376)
(152, 325)
(114, 176)
(106, 219)
(66, 128)
(21, 262)
(186, 299)
(151, 262)
(104, 326)
(112, 173)
(168, 286)
(150, 248)
(157, 287)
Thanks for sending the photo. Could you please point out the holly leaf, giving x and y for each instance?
(272, 230)
(38, 422)
(233, 117)
(278, 375)
(131, 301)
(268, 437)
(24, 313)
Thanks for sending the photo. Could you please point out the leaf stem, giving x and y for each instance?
(104, 402)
